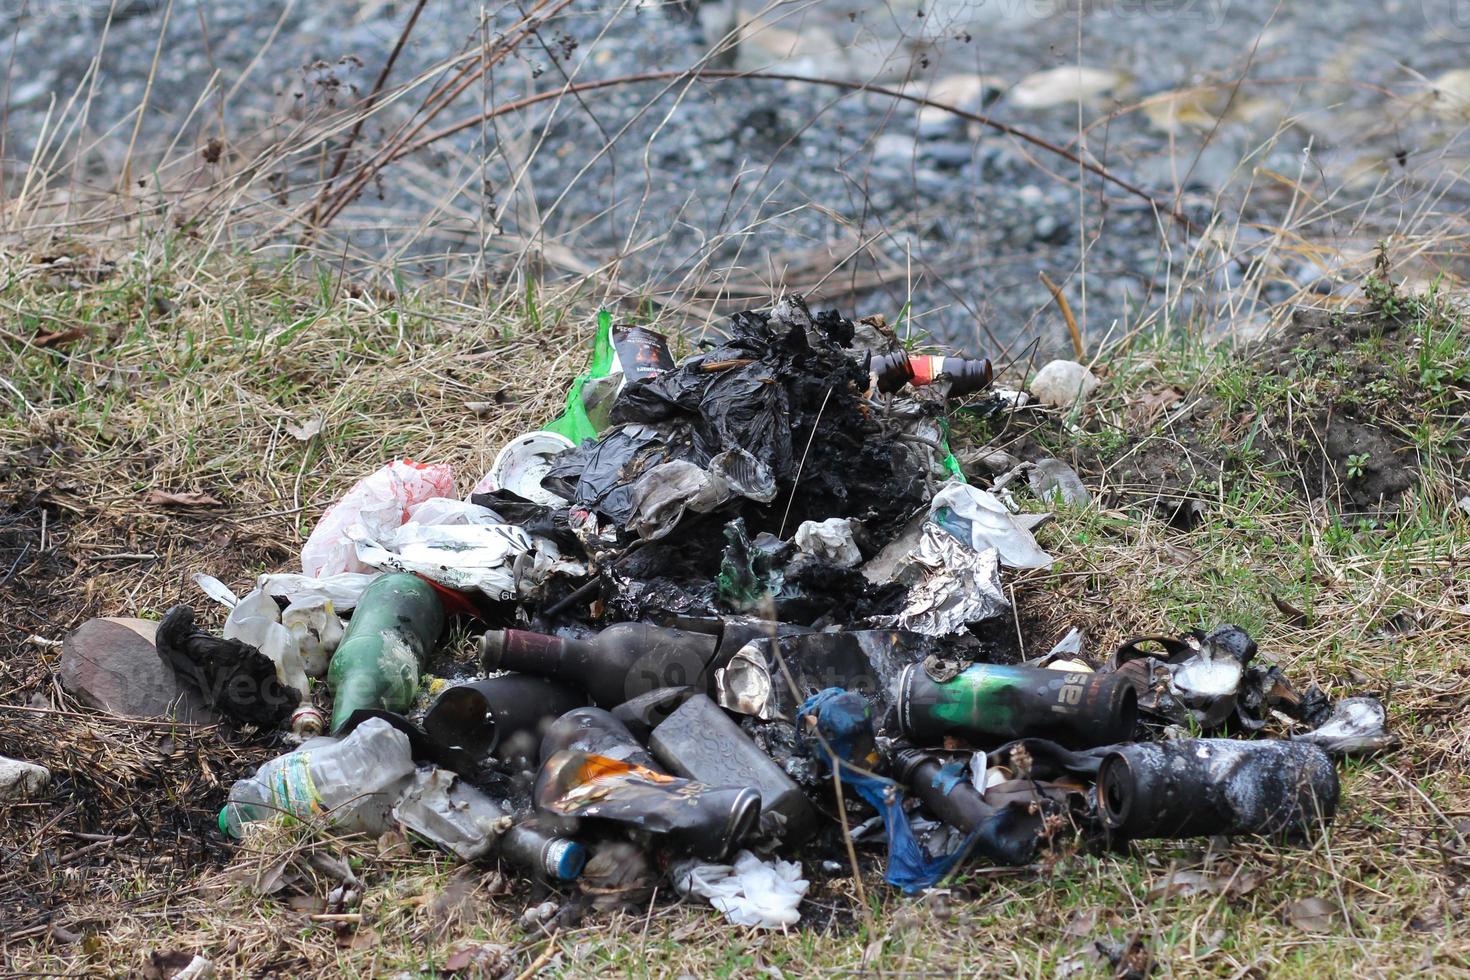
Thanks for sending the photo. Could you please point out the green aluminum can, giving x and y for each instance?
(991, 702)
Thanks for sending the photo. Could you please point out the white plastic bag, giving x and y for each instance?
(830, 540)
(256, 620)
(980, 520)
(446, 510)
(466, 557)
(313, 624)
(377, 504)
(300, 637)
(343, 589)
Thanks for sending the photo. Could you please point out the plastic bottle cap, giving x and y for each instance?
(224, 821)
(565, 859)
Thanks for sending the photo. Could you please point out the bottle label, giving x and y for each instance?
(925, 368)
(292, 789)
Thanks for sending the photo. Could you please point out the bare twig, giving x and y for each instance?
(370, 169)
(1066, 308)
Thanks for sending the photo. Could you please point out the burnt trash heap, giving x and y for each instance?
(730, 612)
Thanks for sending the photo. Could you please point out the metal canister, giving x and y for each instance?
(1200, 787)
(991, 701)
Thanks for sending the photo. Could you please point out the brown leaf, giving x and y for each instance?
(1247, 882)
(1145, 409)
(1186, 883)
(362, 937)
(1313, 914)
(162, 966)
(1082, 924)
(1296, 617)
(185, 498)
(271, 879)
(394, 844)
(59, 338)
(480, 959)
(310, 904)
(452, 907)
(1182, 883)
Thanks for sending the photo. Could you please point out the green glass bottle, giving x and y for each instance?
(395, 625)
(991, 701)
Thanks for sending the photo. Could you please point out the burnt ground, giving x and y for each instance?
(130, 816)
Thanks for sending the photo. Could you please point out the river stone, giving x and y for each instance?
(112, 664)
(1062, 383)
(19, 780)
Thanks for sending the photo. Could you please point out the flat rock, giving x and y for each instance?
(20, 780)
(1062, 383)
(112, 664)
(1064, 86)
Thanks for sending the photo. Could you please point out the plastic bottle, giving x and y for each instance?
(548, 856)
(468, 822)
(396, 624)
(990, 701)
(621, 662)
(353, 780)
(898, 369)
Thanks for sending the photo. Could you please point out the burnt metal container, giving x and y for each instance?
(989, 702)
(483, 716)
(699, 741)
(1200, 787)
(594, 768)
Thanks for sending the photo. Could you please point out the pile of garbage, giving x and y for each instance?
(734, 609)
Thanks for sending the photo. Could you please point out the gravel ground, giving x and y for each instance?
(754, 182)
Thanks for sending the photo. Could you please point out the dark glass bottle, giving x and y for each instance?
(620, 663)
(901, 368)
(956, 802)
(1009, 835)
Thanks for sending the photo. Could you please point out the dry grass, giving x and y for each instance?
(190, 376)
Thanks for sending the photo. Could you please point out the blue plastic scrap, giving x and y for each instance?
(844, 720)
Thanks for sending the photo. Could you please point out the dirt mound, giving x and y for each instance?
(1363, 412)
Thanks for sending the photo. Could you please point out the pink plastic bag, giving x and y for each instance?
(379, 503)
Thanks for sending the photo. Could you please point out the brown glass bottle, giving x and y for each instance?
(898, 369)
(621, 662)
